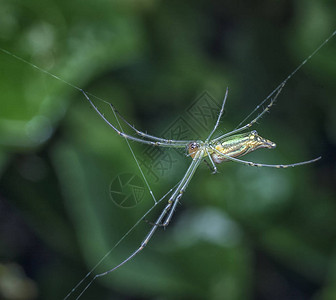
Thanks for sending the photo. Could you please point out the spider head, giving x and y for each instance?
(192, 148)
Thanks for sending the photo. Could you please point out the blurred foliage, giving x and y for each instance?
(245, 233)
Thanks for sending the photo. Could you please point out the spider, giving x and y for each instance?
(226, 147)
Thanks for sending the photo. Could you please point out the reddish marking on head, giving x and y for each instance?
(192, 149)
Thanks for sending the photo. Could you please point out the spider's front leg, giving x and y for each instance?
(197, 159)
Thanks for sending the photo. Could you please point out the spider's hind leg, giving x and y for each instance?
(212, 168)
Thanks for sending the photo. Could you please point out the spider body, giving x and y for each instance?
(234, 146)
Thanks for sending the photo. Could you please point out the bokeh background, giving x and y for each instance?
(244, 233)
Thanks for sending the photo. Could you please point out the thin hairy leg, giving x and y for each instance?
(129, 137)
(146, 135)
(142, 246)
(184, 183)
(254, 120)
(173, 199)
(212, 162)
(290, 76)
(219, 116)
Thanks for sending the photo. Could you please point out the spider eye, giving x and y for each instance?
(192, 147)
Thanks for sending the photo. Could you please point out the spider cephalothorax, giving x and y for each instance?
(192, 148)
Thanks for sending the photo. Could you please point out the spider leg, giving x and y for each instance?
(177, 194)
(129, 137)
(183, 185)
(146, 135)
(210, 167)
(252, 164)
(109, 252)
(219, 116)
(214, 171)
(143, 243)
(268, 107)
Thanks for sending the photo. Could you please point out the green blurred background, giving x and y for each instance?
(244, 233)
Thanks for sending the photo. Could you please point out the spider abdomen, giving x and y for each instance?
(239, 145)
